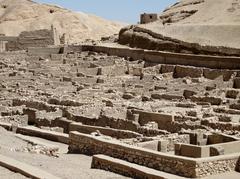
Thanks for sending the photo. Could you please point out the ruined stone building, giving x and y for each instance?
(147, 18)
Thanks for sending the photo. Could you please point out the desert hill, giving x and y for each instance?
(25, 15)
(193, 24)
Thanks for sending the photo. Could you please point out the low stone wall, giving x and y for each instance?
(195, 151)
(116, 133)
(164, 121)
(183, 166)
(215, 165)
(128, 169)
(87, 144)
(6, 126)
(43, 51)
(221, 125)
(215, 62)
(49, 135)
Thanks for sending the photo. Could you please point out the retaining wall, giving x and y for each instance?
(215, 62)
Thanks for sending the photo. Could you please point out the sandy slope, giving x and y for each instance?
(205, 22)
(215, 22)
(24, 15)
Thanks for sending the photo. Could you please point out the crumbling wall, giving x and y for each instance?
(38, 38)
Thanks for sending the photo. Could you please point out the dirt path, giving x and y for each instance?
(7, 174)
(67, 166)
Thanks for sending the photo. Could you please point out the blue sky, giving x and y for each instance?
(119, 10)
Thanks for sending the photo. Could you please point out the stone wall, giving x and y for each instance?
(38, 38)
(195, 151)
(215, 62)
(183, 166)
(216, 165)
(128, 169)
(86, 144)
(116, 133)
(49, 135)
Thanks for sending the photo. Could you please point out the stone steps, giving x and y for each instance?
(128, 169)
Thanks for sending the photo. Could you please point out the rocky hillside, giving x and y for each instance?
(192, 26)
(25, 15)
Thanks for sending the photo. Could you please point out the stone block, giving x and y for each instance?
(188, 93)
(231, 93)
(207, 99)
(166, 96)
(184, 71)
(236, 83)
(213, 74)
(167, 69)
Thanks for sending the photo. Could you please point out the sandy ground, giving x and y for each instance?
(67, 166)
(7, 174)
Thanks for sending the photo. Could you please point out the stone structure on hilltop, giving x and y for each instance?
(147, 18)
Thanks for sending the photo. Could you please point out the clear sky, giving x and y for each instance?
(119, 10)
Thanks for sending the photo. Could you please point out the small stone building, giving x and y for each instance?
(147, 18)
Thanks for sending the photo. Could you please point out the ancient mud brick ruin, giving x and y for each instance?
(38, 38)
(137, 108)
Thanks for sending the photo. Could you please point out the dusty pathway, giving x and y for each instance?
(66, 166)
(7, 174)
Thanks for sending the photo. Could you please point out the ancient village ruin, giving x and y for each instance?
(142, 104)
